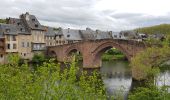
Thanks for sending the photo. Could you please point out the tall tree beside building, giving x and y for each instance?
(2, 21)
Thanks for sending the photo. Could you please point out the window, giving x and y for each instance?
(68, 35)
(33, 20)
(1, 55)
(14, 46)
(8, 46)
(38, 46)
(7, 30)
(60, 36)
(24, 54)
(18, 24)
(28, 44)
(34, 46)
(8, 38)
(22, 44)
(36, 25)
(13, 38)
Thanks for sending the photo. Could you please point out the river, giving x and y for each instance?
(117, 78)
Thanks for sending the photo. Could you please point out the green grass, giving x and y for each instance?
(107, 57)
(162, 29)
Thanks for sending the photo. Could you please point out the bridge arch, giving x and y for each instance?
(108, 45)
(52, 54)
(72, 49)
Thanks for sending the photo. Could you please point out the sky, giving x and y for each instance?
(107, 15)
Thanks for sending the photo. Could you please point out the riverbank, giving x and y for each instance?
(108, 57)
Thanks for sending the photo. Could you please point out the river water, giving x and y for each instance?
(117, 78)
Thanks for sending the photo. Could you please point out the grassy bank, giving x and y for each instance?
(107, 57)
(113, 54)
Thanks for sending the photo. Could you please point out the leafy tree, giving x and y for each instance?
(13, 58)
(48, 82)
(2, 21)
(38, 58)
(145, 66)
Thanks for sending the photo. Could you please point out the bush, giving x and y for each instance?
(48, 82)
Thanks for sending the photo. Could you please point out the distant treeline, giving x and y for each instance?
(2, 21)
(157, 29)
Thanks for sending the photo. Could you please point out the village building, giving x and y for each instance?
(26, 37)
(54, 36)
(2, 49)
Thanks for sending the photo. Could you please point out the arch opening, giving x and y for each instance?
(75, 53)
(52, 54)
(109, 53)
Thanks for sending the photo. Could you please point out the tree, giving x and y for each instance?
(48, 82)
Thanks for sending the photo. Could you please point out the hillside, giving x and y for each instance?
(162, 28)
(2, 21)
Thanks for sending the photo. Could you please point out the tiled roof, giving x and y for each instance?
(71, 34)
(8, 29)
(32, 22)
(19, 25)
(88, 34)
(50, 31)
(103, 35)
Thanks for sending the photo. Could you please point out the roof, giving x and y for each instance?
(32, 22)
(88, 34)
(103, 35)
(19, 25)
(71, 34)
(50, 31)
(8, 29)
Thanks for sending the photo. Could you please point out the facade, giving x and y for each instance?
(24, 36)
(36, 30)
(54, 37)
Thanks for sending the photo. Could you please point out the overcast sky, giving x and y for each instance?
(112, 15)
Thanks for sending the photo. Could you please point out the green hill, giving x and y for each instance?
(162, 28)
(2, 21)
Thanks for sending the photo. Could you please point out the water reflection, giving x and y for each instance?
(117, 77)
(163, 79)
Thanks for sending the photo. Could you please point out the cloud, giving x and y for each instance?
(81, 14)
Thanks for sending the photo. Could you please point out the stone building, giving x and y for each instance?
(36, 30)
(2, 50)
(54, 36)
(24, 38)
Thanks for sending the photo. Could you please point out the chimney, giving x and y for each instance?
(68, 30)
(27, 13)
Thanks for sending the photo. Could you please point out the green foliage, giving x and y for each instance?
(2, 21)
(48, 82)
(145, 66)
(113, 54)
(38, 58)
(149, 93)
(13, 58)
(147, 62)
(163, 29)
(114, 51)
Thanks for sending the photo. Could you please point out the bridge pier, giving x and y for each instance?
(90, 61)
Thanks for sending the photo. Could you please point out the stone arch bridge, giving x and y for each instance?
(92, 50)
